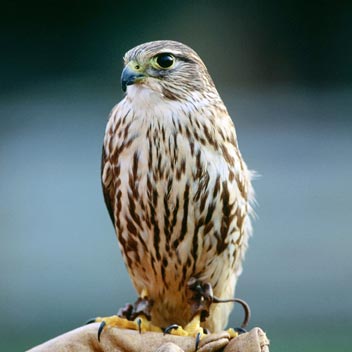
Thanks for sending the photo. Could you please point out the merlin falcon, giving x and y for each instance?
(177, 189)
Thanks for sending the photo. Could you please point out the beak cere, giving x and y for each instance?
(129, 76)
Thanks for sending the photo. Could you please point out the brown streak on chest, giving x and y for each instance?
(184, 218)
(167, 225)
(154, 222)
(211, 140)
(229, 159)
(174, 215)
(226, 219)
(164, 265)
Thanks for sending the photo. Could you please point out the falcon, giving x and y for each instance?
(178, 191)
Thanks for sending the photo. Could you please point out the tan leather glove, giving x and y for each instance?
(118, 340)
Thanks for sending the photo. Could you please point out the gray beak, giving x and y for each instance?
(129, 76)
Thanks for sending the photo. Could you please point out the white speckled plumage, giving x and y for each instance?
(176, 186)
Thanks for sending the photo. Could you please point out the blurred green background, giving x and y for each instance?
(284, 69)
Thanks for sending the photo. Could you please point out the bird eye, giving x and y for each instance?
(165, 60)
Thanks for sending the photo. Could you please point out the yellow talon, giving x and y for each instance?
(193, 328)
(232, 333)
(145, 325)
(140, 324)
(116, 321)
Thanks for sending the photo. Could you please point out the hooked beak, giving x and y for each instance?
(130, 76)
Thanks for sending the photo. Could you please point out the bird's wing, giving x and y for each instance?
(107, 187)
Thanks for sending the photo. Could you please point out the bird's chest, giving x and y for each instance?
(157, 177)
(165, 178)
(157, 171)
(154, 169)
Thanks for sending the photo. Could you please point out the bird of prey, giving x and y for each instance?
(177, 189)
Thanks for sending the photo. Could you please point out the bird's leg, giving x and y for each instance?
(201, 299)
(134, 317)
(142, 306)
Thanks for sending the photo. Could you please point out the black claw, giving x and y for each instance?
(170, 328)
(197, 340)
(244, 304)
(101, 328)
(247, 312)
(240, 330)
(139, 323)
(90, 321)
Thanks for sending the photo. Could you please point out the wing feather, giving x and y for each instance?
(107, 186)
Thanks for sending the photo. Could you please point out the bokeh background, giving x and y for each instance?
(284, 69)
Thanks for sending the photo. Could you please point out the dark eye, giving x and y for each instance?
(165, 60)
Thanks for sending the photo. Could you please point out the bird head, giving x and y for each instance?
(168, 68)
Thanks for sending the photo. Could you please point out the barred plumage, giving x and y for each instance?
(175, 184)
